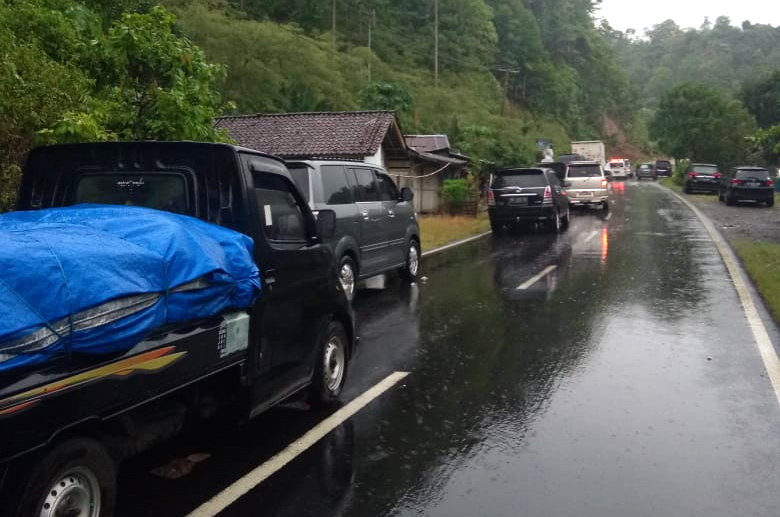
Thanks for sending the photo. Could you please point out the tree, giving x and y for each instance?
(702, 124)
(762, 99)
(149, 84)
(385, 96)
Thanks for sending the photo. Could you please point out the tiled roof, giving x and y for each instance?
(333, 134)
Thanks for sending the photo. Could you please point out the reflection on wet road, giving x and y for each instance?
(607, 371)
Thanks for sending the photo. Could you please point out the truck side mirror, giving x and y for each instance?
(406, 194)
(326, 224)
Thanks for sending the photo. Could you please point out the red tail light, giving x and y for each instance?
(491, 199)
(547, 193)
(604, 183)
(736, 182)
(769, 183)
(692, 175)
(716, 175)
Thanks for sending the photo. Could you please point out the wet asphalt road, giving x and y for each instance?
(624, 382)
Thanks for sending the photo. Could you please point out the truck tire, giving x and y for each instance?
(330, 367)
(77, 477)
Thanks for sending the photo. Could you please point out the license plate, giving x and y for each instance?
(752, 184)
(518, 201)
(587, 193)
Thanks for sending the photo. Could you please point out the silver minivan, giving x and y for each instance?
(588, 185)
(376, 225)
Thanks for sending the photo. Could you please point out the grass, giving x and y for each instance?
(438, 230)
(762, 262)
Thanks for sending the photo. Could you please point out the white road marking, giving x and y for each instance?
(249, 481)
(590, 236)
(609, 216)
(760, 334)
(531, 281)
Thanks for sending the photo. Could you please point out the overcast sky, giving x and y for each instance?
(640, 14)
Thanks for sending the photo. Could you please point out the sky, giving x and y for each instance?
(640, 14)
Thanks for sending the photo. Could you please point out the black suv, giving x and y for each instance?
(527, 195)
(747, 183)
(663, 167)
(704, 177)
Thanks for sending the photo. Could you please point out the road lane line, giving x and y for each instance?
(760, 335)
(531, 281)
(250, 480)
(590, 236)
(608, 217)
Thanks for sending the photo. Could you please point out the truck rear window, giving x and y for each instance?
(152, 190)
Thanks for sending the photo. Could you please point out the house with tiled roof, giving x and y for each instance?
(369, 136)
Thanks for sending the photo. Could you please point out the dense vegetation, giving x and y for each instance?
(695, 85)
(494, 75)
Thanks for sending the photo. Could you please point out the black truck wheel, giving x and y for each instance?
(330, 368)
(76, 478)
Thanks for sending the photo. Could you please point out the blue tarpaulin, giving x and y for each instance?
(99, 278)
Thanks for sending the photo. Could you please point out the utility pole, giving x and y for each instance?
(333, 27)
(436, 43)
(371, 22)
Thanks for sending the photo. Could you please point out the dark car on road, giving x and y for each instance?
(527, 195)
(702, 177)
(663, 167)
(646, 170)
(747, 183)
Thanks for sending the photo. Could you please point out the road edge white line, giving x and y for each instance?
(531, 281)
(760, 335)
(590, 236)
(262, 472)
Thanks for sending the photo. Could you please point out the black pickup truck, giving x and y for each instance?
(66, 424)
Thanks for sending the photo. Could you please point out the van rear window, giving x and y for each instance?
(759, 174)
(533, 178)
(162, 191)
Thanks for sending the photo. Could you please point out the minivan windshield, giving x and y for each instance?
(584, 171)
(520, 178)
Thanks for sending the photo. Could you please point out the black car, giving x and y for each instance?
(747, 183)
(702, 177)
(663, 167)
(527, 195)
(646, 170)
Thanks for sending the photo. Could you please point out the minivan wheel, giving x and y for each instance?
(411, 266)
(330, 367)
(348, 276)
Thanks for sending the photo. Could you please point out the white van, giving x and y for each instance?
(617, 168)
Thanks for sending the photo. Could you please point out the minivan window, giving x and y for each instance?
(583, 171)
(335, 188)
(530, 178)
(366, 188)
(705, 169)
(300, 176)
(282, 216)
(387, 189)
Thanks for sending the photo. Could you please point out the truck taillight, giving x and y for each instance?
(491, 199)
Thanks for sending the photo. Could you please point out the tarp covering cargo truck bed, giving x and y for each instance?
(97, 278)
